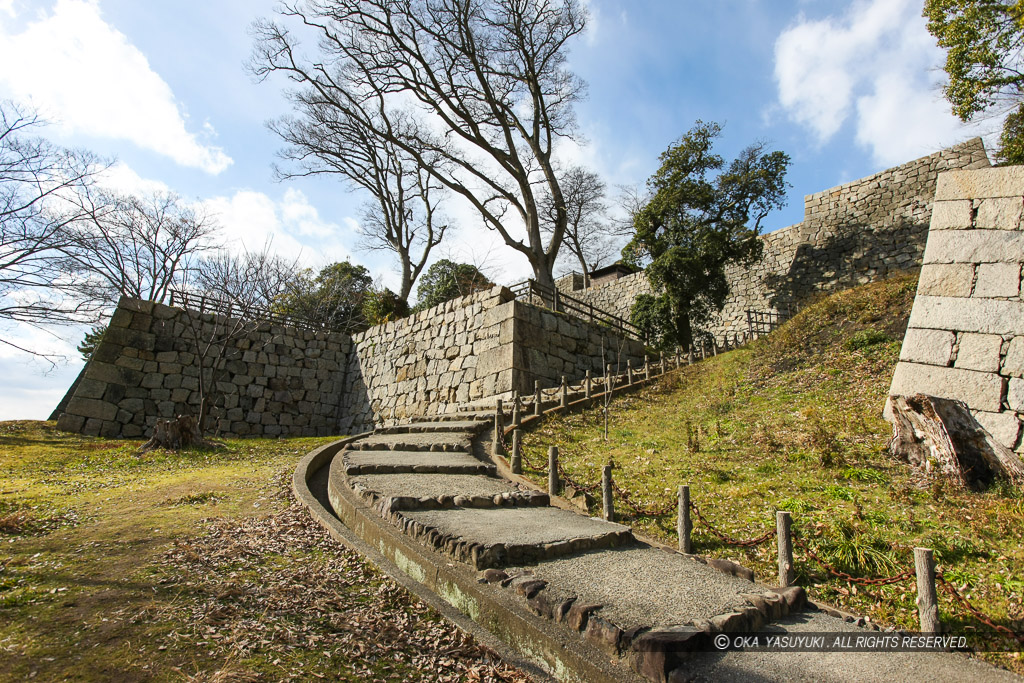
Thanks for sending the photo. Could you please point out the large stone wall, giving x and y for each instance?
(485, 345)
(273, 380)
(965, 339)
(851, 234)
(270, 380)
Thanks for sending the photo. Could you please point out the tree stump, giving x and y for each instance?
(939, 435)
(181, 432)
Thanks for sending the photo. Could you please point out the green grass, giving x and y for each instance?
(193, 566)
(793, 422)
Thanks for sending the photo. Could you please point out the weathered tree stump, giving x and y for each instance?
(177, 434)
(940, 436)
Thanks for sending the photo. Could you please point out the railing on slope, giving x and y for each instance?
(763, 322)
(204, 303)
(547, 297)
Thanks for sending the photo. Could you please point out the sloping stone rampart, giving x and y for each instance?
(852, 234)
(965, 339)
(273, 380)
(270, 380)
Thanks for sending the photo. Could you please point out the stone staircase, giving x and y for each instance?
(582, 597)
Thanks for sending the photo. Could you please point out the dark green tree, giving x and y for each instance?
(446, 280)
(333, 297)
(701, 216)
(983, 41)
(92, 339)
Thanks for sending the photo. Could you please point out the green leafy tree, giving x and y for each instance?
(333, 297)
(983, 41)
(383, 306)
(446, 280)
(701, 216)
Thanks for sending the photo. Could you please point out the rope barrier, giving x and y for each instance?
(955, 594)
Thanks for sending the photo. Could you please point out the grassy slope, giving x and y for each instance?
(793, 422)
(193, 566)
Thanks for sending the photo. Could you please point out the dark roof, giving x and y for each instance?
(619, 267)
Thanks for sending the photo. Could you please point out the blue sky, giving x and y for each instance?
(846, 88)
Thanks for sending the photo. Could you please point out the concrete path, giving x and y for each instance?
(650, 612)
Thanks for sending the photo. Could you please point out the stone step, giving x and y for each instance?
(462, 425)
(420, 462)
(442, 442)
(453, 417)
(443, 488)
(509, 535)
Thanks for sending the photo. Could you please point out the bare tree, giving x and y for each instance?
(229, 298)
(40, 185)
(403, 216)
(589, 236)
(136, 246)
(475, 91)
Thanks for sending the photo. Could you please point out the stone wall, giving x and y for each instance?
(269, 380)
(965, 339)
(485, 345)
(851, 234)
(448, 354)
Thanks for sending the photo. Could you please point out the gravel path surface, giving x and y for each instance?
(514, 526)
(645, 586)
(433, 485)
(396, 458)
(840, 667)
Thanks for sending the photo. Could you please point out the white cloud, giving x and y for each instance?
(86, 74)
(123, 178)
(292, 226)
(877, 65)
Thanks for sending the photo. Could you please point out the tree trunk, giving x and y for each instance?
(940, 435)
(177, 434)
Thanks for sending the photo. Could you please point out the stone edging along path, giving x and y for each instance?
(580, 598)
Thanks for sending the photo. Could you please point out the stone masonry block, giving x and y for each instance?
(929, 347)
(1005, 427)
(1013, 364)
(1000, 213)
(998, 280)
(979, 352)
(1015, 396)
(1004, 181)
(93, 409)
(988, 316)
(974, 246)
(946, 279)
(979, 390)
(951, 215)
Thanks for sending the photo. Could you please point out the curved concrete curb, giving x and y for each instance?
(305, 472)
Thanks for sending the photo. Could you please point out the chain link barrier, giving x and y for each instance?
(966, 604)
(839, 574)
(747, 543)
(642, 511)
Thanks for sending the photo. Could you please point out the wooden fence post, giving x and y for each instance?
(536, 397)
(784, 530)
(689, 355)
(517, 452)
(683, 524)
(606, 493)
(678, 359)
(516, 410)
(499, 427)
(663, 362)
(647, 367)
(553, 470)
(927, 601)
(629, 372)
(586, 385)
(608, 379)
(564, 401)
